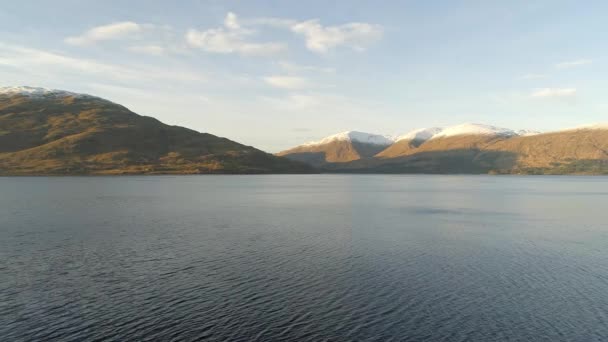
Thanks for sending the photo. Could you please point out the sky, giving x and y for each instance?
(275, 74)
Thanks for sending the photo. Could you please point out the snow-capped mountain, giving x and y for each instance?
(353, 145)
(468, 148)
(354, 136)
(339, 148)
(424, 134)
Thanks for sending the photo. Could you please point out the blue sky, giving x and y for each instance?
(274, 74)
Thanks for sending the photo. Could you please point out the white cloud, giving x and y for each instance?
(139, 38)
(554, 93)
(295, 102)
(321, 38)
(231, 38)
(286, 82)
(234, 36)
(106, 32)
(573, 64)
(232, 21)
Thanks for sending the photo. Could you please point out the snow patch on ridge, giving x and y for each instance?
(527, 133)
(38, 92)
(421, 134)
(354, 136)
(474, 129)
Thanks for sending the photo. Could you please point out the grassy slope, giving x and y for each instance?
(75, 135)
(568, 152)
(333, 152)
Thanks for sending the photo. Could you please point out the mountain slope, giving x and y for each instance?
(56, 132)
(339, 148)
(514, 151)
(408, 142)
(581, 151)
(570, 151)
(465, 136)
(476, 148)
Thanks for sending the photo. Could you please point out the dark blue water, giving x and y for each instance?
(304, 258)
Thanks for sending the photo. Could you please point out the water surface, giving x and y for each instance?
(307, 258)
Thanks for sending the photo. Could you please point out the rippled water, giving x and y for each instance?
(304, 258)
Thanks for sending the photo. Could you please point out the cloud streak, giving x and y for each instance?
(544, 93)
(573, 64)
(533, 76)
(40, 61)
(294, 68)
(112, 31)
(151, 49)
(286, 82)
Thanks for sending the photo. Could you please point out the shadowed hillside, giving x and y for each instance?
(583, 151)
(65, 133)
(334, 152)
(466, 161)
(339, 148)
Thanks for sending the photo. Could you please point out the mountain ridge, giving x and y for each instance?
(478, 148)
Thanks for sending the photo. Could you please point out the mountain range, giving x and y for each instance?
(54, 132)
(466, 148)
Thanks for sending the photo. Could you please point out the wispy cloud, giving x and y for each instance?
(40, 61)
(533, 76)
(553, 93)
(149, 39)
(232, 38)
(231, 21)
(112, 31)
(151, 49)
(355, 35)
(321, 38)
(295, 102)
(25, 58)
(573, 64)
(286, 82)
(295, 68)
